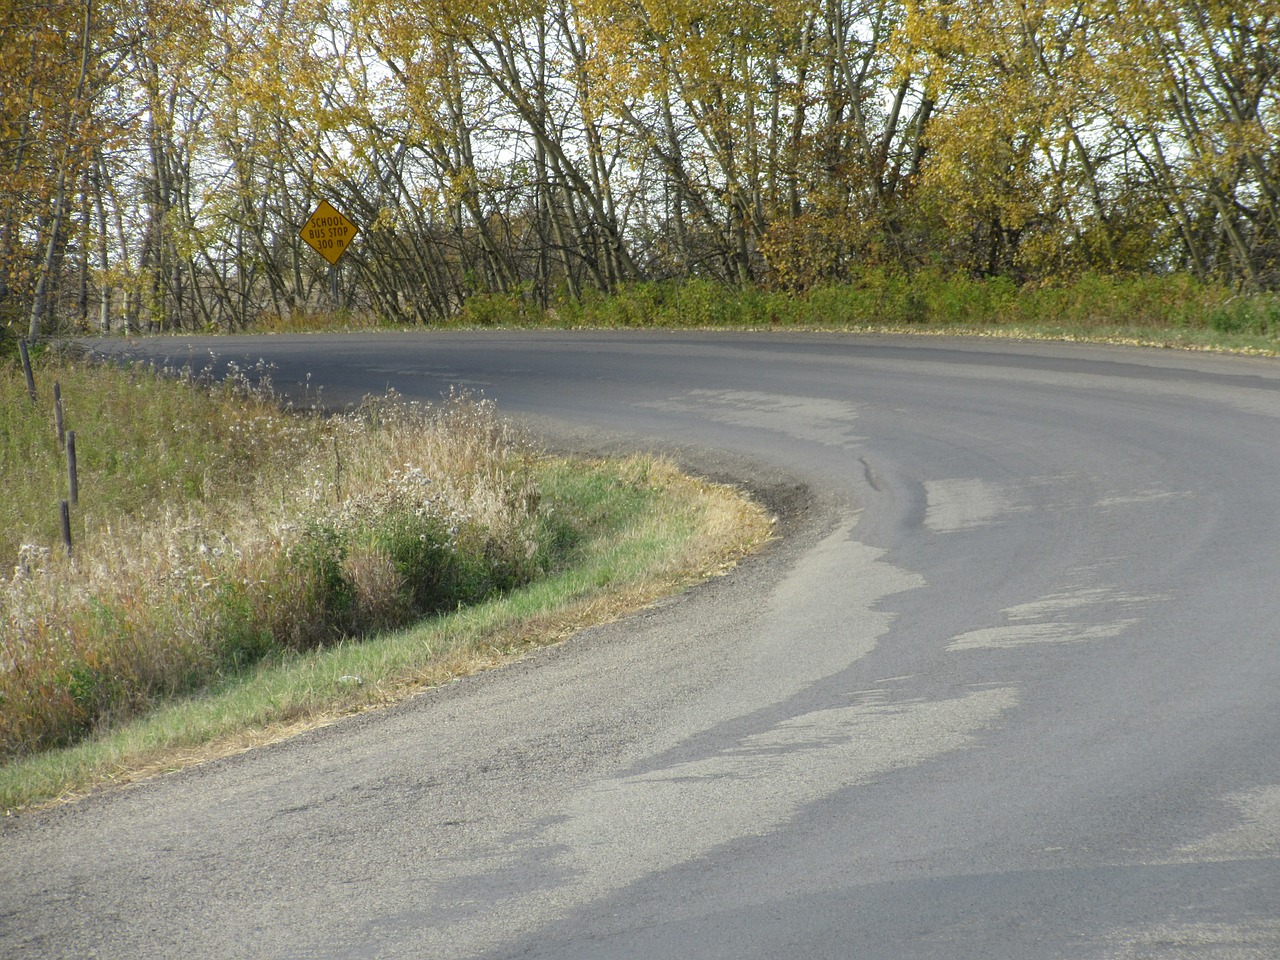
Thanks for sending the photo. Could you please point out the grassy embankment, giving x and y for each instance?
(1161, 311)
(238, 572)
(1175, 311)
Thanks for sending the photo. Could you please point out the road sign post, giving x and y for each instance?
(329, 233)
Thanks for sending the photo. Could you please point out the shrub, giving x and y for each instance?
(492, 310)
(1260, 315)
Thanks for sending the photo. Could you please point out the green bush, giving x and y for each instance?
(927, 297)
(1259, 315)
(492, 310)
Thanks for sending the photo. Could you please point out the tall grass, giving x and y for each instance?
(1173, 309)
(145, 442)
(631, 531)
(1167, 309)
(218, 532)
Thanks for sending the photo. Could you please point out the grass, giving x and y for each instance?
(336, 565)
(140, 449)
(1175, 311)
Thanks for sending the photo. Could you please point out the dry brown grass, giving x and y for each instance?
(238, 572)
(350, 525)
(656, 531)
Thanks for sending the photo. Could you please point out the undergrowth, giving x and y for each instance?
(630, 531)
(216, 532)
(1172, 310)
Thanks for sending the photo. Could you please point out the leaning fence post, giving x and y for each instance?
(26, 369)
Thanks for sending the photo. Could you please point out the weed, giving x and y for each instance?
(1258, 315)
(217, 535)
(619, 534)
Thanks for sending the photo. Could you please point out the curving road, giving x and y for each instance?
(1009, 687)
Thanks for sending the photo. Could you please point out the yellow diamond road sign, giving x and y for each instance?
(329, 232)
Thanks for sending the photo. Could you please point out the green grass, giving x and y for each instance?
(1167, 311)
(1163, 311)
(335, 566)
(140, 449)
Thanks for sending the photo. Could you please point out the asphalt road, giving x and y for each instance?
(1009, 687)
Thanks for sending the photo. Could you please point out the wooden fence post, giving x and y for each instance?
(57, 414)
(65, 509)
(73, 479)
(26, 369)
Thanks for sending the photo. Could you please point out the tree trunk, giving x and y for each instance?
(39, 302)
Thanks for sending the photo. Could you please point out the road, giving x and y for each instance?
(1008, 687)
